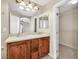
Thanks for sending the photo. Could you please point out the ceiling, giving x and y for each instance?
(41, 2)
(15, 8)
(68, 6)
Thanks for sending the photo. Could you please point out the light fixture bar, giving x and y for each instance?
(30, 6)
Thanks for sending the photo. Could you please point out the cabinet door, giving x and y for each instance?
(46, 45)
(34, 49)
(43, 46)
(34, 55)
(19, 50)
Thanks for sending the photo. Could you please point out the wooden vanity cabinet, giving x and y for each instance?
(19, 50)
(35, 49)
(29, 49)
(43, 46)
(46, 45)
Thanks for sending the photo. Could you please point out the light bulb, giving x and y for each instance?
(22, 3)
(21, 7)
(36, 8)
(30, 6)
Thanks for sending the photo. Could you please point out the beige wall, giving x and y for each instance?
(4, 21)
(68, 27)
(4, 26)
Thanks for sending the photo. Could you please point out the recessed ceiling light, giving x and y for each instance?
(21, 7)
(73, 1)
(22, 3)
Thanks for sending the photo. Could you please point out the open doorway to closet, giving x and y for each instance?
(68, 30)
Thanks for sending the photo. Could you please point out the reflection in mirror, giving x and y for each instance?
(14, 24)
(43, 22)
(19, 25)
(24, 25)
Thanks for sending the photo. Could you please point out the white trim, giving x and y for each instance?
(50, 55)
(68, 46)
(53, 33)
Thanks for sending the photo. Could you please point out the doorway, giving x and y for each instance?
(68, 31)
(65, 29)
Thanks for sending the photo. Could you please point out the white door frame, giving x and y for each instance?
(53, 34)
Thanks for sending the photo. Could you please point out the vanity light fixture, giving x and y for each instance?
(29, 6)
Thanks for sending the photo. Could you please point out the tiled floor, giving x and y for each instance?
(65, 53)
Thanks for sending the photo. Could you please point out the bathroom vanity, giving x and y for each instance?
(29, 47)
(33, 45)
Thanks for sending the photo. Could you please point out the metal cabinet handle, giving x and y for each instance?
(34, 49)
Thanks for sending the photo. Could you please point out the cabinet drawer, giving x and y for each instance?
(34, 44)
(35, 49)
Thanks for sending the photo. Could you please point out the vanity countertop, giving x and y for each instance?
(24, 37)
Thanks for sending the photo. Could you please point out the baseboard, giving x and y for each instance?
(68, 46)
(50, 55)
